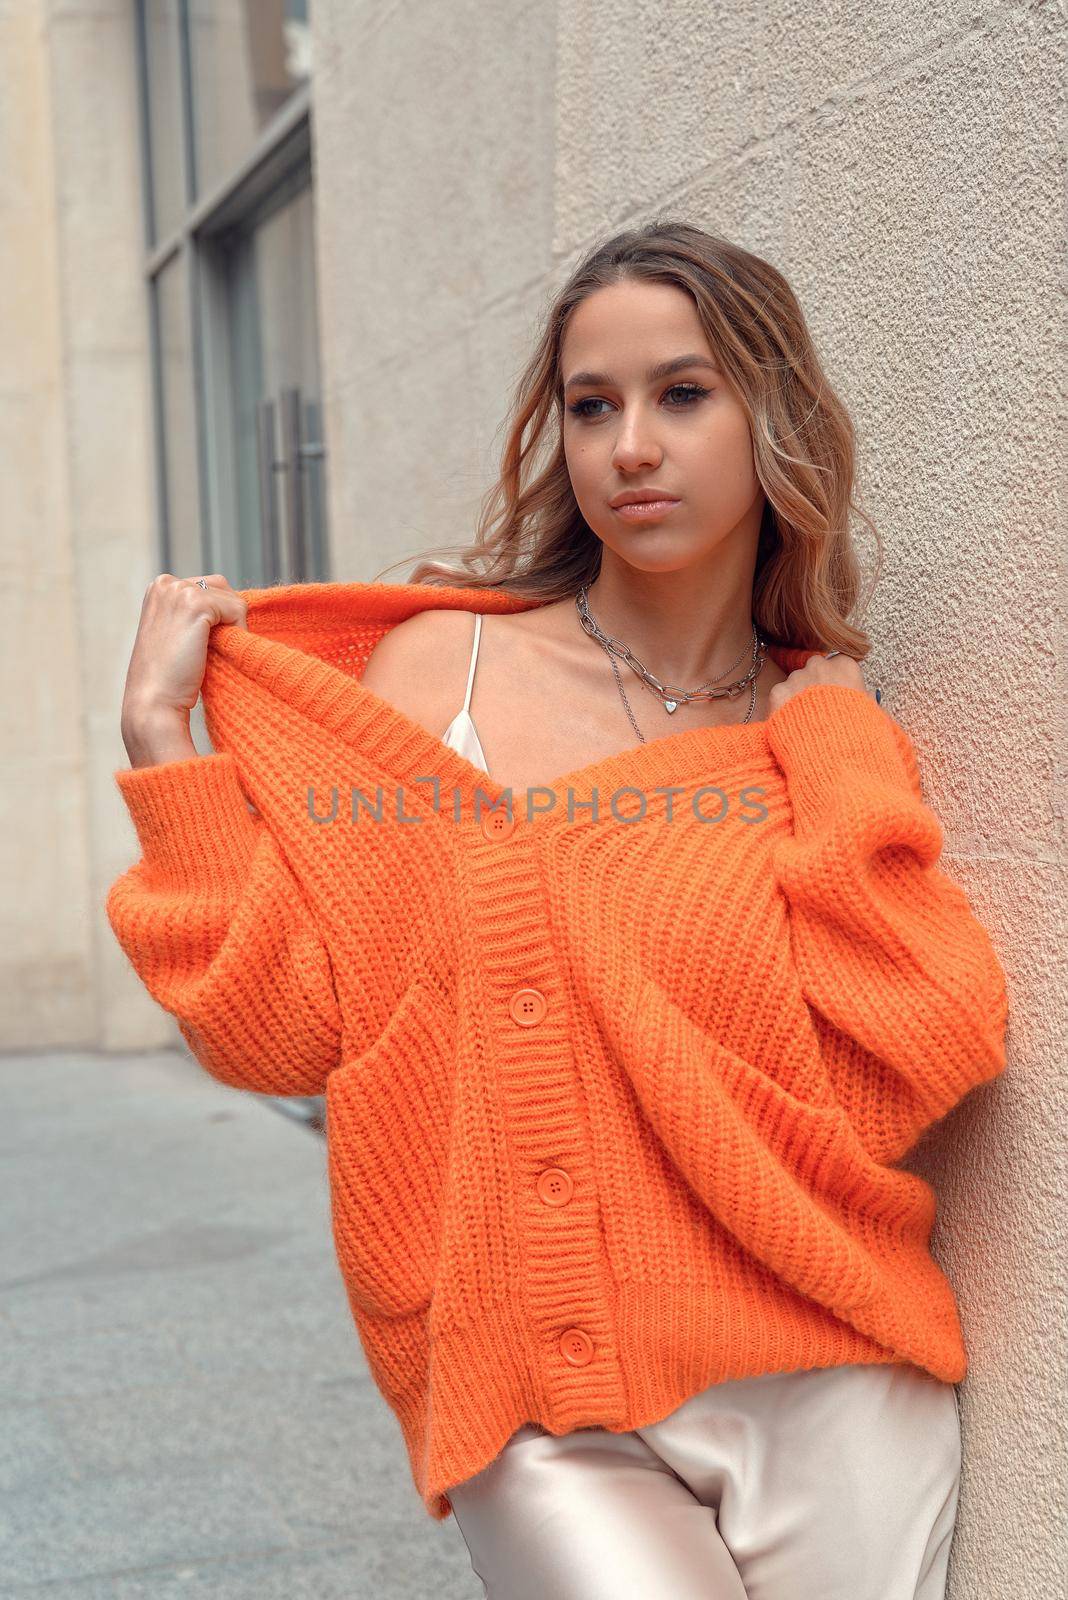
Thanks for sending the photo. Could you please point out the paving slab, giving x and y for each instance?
(185, 1407)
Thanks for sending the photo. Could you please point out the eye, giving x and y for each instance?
(690, 391)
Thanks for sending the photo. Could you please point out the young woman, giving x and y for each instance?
(614, 1101)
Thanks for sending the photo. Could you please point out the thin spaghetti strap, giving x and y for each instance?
(461, 735)
(474, 658)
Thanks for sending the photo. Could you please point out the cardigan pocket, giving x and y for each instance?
(388, 1114)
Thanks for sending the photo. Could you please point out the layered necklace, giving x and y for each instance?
(671, 697)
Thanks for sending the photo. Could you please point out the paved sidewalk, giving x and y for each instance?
(186, 1408)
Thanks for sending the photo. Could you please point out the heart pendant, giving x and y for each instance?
(669, 705)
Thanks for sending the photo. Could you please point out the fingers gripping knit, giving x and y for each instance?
(217, 928)
(886, 946)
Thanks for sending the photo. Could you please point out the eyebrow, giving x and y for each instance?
(663, 370)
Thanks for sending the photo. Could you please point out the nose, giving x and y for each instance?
(635, 446)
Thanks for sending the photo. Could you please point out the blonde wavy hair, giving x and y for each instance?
(532, 539)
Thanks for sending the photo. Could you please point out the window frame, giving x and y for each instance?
(278, 162)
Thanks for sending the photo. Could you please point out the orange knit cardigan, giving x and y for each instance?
(615, 1088)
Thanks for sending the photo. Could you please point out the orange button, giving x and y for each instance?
(555, 1186)
(528, 1006)
(497, 824)
(576, 1346)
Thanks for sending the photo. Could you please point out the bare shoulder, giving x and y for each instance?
(420, 665)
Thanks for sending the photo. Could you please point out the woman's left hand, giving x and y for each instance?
(818, 669)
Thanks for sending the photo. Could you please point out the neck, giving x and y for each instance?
(682, 628)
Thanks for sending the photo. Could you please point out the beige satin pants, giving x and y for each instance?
(836, 1483)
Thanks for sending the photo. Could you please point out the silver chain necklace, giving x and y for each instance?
(671, 697)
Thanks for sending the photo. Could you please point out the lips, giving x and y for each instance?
(653, 500)
(643, 497)
(645, 510)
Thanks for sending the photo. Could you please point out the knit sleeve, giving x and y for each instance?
(903, 980)
(218, 930)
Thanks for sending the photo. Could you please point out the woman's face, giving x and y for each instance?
(684, 433)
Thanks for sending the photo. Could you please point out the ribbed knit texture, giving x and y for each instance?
(684, 1170)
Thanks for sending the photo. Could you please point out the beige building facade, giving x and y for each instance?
(270, 270)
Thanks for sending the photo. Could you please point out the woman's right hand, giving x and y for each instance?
(168, 661)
